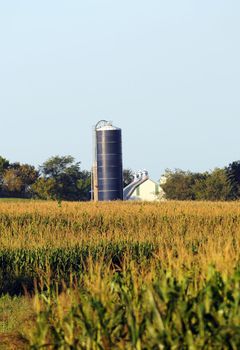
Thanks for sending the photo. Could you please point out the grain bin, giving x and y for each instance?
(107, 169)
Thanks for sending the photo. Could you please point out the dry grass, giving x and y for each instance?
(16, 315)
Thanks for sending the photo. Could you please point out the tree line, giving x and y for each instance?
(61, 178)
(221, 184)
(58, 178)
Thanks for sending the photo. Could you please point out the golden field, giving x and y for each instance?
(123, 275)
(184, 234)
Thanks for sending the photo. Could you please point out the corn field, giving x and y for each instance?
(125, 275)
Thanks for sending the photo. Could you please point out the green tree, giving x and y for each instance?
(213, 186)
(70, 183)
(12, 182)
(4, 164)
(179, 185)
(45, 188)
(233, 175)
(65, 172)
(84, 185)
(127, 177)
(56, 166)
(182, 185)
(18, 178)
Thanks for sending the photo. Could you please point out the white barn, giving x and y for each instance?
(142, 188)
(148, 190)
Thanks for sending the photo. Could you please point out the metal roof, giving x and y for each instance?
(107, 127)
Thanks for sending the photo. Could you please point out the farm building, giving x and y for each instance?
(143, 188)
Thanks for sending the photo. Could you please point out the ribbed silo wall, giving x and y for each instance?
(109, 164)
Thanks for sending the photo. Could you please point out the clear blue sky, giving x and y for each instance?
(166, 72)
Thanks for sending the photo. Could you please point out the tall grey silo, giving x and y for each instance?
(109, 169)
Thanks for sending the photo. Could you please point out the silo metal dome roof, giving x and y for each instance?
(108, 127)
(103, 125)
